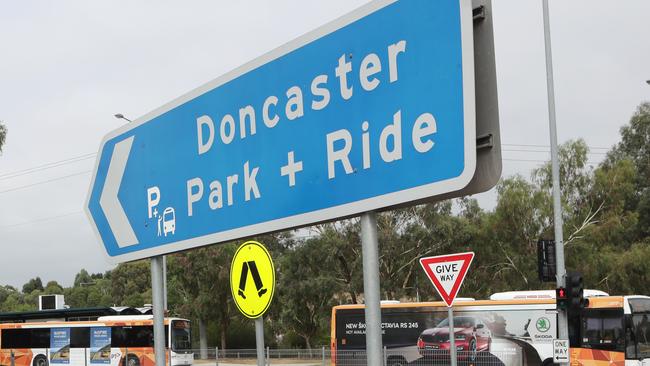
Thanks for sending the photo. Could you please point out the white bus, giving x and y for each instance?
(515, 328)
(122, 340)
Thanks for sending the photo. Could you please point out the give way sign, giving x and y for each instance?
(447, 273)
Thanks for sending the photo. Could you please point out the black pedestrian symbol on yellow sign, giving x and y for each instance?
(252, 267)
(252, 279)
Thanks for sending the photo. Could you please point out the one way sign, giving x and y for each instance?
(560, 351)
(447, 273)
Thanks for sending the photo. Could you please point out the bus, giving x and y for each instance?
(510, 329)
(121, 340)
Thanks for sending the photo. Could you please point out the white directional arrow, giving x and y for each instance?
(117, 220)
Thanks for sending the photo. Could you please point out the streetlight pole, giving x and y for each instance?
(563, 324)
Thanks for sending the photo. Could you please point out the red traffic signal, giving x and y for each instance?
(561, 298)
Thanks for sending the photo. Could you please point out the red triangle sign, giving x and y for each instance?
(447, 273)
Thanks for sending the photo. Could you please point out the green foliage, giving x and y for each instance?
(306, 291)
(53, 288)
(131, 284)
(635, 146)
(3, 135)
(199, 285)
(33, 285)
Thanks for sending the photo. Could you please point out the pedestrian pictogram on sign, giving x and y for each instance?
(252, 267)
(252, 279)
(447, 273)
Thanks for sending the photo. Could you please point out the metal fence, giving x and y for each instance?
(404, 357)
(324, 357)
(294, 357)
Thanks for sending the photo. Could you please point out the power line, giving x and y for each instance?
(541, 161)
(45, 181)
(548, 147)
(44, 219)
(546, 151)
(51, 165)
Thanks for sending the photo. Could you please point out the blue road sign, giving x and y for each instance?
(371, 111)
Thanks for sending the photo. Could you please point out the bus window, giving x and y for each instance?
(40, 338)
(641, 330)
(603, 330)
(136, 336)
(25, 338)
(16, 338)
(638, 329)
(181, 335)
(80, 337)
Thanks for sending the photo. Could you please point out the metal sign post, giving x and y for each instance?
(158, 309)
(259, 341)
(447, 273)
(252, 284)
(164, 267)
(563, 326)
(452, 336)
(370, 250)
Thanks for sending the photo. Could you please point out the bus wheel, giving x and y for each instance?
(548, 362)
(40, 360)
(132, 360)
(396, 361)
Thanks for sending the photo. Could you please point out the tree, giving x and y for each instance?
(53, 288)
(342, 242)
(200, 281)
(3, 135)
(635, 143)
(82, 278)
(635, 146)
(131, 284)
(506, 247)
(306, 290)
(33, 284)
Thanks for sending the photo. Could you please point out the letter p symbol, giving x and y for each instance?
(153, 197)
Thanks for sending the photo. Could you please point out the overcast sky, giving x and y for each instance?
(67, 67)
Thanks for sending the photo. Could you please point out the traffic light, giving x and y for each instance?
(546, 260)
(575, 291)
(561, 298)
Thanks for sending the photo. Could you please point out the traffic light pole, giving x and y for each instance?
(563, 326)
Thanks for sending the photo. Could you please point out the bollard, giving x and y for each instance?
(385, 357)
(216, 356)
(268, 356)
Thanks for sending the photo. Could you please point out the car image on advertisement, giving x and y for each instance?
(470, 333)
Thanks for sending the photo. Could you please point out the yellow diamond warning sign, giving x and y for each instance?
(252, 279)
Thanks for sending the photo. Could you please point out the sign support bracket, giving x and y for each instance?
(370, 250)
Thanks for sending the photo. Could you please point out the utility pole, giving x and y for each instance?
(563, 327)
